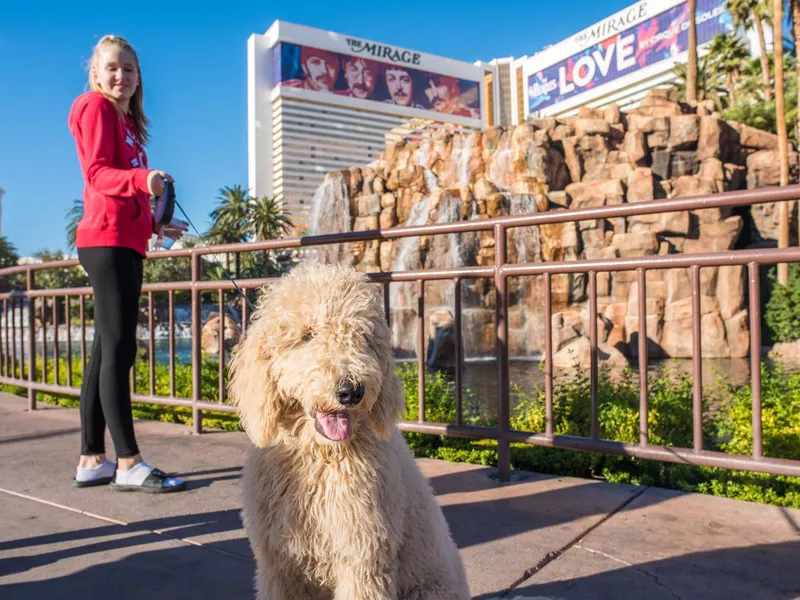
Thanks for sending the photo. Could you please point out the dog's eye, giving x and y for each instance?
(308, 336)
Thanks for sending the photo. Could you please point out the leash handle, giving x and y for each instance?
(164, 205)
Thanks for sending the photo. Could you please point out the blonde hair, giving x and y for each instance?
(136, 106)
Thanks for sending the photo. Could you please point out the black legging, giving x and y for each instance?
(116, 278)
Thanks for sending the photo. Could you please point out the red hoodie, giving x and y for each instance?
(116, 201)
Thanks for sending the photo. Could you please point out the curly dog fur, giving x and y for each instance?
(335, 507)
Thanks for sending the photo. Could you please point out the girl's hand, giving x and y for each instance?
(155, 181)
(174, 230)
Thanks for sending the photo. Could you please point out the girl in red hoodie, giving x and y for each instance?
(110, 130)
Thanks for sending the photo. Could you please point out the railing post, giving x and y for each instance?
(755, 356)
(501, 310)
(421, 345)
(29, 284)
(644, 436)
(197, 380)
(697, 355)
(594, 426)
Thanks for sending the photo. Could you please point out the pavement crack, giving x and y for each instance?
(627, 564)
(556, 554)
(657, 581)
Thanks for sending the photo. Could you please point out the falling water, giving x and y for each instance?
(461, 154)
(526, 239)
(407, 257)
(449, 250)
(423, 153)
(330, 213)
(530, 292)
(501, 168)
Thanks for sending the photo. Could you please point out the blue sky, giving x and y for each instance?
(193, 59)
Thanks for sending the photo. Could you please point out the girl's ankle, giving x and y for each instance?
(124, 464)
(91, 461)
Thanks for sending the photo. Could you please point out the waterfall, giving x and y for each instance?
(461, 154)
(446, 250)
(500, 170)
(529, 294)
(407, 257)
(423, 153)
(330, 213)
(526, 239)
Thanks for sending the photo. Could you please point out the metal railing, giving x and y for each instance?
(500, 272)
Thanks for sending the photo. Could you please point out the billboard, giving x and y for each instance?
(392, 81)
(655, 39)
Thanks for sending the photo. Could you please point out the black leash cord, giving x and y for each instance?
(224, 270)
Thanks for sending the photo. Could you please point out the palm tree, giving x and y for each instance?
(229, 220)
(74, 215)
(753, 13)
(267, 220)
(728, 54)
(780, 124)
(691, 76)
(8, 253)
(708, 85)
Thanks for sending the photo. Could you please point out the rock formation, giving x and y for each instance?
(663, 149)
(209, 336)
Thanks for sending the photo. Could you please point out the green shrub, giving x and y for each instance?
(782, 313)
(670, 398)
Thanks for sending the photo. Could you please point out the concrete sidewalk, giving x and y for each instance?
(549, 537)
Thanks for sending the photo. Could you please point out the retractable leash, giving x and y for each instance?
(164, 210)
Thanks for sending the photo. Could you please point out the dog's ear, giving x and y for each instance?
(390, 404)
(251, 388)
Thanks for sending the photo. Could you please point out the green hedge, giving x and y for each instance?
(782, 312)
(726, 427)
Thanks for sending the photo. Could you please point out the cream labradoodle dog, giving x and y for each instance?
(335, 507)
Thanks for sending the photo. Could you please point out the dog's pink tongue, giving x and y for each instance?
(336, 426)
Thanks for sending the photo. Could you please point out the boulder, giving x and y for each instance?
(635, 147)
(573, 158)
(578, 354)
(750, 137)
(591, 127)
(388, 218)
(764, 168)
(640, 185)
(730, 290)
(692, 185)
(369, 205)
(594, 155)
(647, 124)
(709, 138)
(737, 333)
(684, 132)
(209, 335)
(595, 193)
(787, 353)
(612, 113)
(635, 244)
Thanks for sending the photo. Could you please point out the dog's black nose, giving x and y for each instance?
(349, 394)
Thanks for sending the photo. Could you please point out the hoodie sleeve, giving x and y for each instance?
(97, 132)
